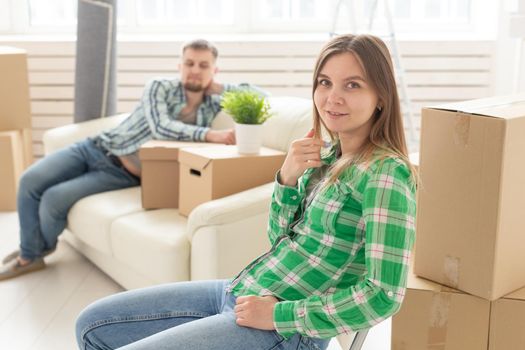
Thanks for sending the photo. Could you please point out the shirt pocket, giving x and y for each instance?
(323, 210)
(349, 223)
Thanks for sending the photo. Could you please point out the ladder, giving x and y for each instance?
(398, 67)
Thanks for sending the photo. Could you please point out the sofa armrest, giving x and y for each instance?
(227, 233)
(66, 135)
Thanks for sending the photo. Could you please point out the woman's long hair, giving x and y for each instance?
(387, 133)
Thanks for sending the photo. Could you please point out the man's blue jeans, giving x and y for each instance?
(194, 315)
(50, 187)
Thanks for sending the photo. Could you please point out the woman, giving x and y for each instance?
(341, 226)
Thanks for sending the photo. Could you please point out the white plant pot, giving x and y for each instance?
(248, 137)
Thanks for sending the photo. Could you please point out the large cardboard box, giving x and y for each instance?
(214, 172)
(15, 112)
(440, 318)
(160, 172)
(11, 167)
(470, 232)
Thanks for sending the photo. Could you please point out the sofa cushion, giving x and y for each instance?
(293, 120)
(153, 243)
(91, 217)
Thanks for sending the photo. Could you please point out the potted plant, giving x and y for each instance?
(249, 110)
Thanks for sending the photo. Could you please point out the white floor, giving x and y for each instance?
(38, 311)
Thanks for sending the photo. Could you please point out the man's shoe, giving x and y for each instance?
(14, 269)
(16, 253)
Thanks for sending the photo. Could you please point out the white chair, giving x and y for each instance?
(359, 340)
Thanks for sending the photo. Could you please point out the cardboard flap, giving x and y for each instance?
(158, 153)
(419, 283)
(518, 295)
(164, 150)
(504, 107)
(219, 151)
(194, 160)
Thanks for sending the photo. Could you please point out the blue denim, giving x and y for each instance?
(187, 315)
(50, 187)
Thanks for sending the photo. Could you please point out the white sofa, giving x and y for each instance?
(138, 247)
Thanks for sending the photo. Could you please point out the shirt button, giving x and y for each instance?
(390, 293)
(294, 197)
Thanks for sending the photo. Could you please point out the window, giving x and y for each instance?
(408, 15)
(291, 15)
(173, 12)
(5, 23)
(52, 12)
(252, 16)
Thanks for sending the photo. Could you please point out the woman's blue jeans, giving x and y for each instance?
(50, 187)
(187, 315)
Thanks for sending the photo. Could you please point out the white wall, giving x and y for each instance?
(436, 72)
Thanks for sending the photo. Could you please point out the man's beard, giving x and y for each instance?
(193, 87)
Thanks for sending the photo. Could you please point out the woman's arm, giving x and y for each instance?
(285, 203)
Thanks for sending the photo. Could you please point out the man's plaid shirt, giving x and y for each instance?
(156, 117)
(341, 262)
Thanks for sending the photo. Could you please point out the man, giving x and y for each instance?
(169, 110)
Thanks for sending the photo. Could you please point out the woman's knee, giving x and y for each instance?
(82, 325)
(87, 320)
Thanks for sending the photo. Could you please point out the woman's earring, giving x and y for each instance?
(379, 108)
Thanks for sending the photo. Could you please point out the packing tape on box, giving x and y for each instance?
(451, 271)
(461, 129)
(438, 323)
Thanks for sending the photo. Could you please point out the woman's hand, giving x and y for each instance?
(303, 154)
(255, 312)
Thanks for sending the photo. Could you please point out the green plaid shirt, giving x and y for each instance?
(340, 262)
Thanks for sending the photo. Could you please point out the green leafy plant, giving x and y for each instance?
(246, 106)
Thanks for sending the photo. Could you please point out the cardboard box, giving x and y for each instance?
(437, 317)
(470, 232)
(214, 172)
(160, 172)
(507, 322)
(11, 167)
(15, 112)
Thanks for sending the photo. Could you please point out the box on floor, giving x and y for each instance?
(214, 172)
(470, 204)
(160, 172)
(437, 317)
(15, 110)
(16, 151)
(11, 167)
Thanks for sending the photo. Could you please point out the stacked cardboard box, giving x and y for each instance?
(160, 172)
(434, 316)
(15, 123)
(470, 235)
(185, 174)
